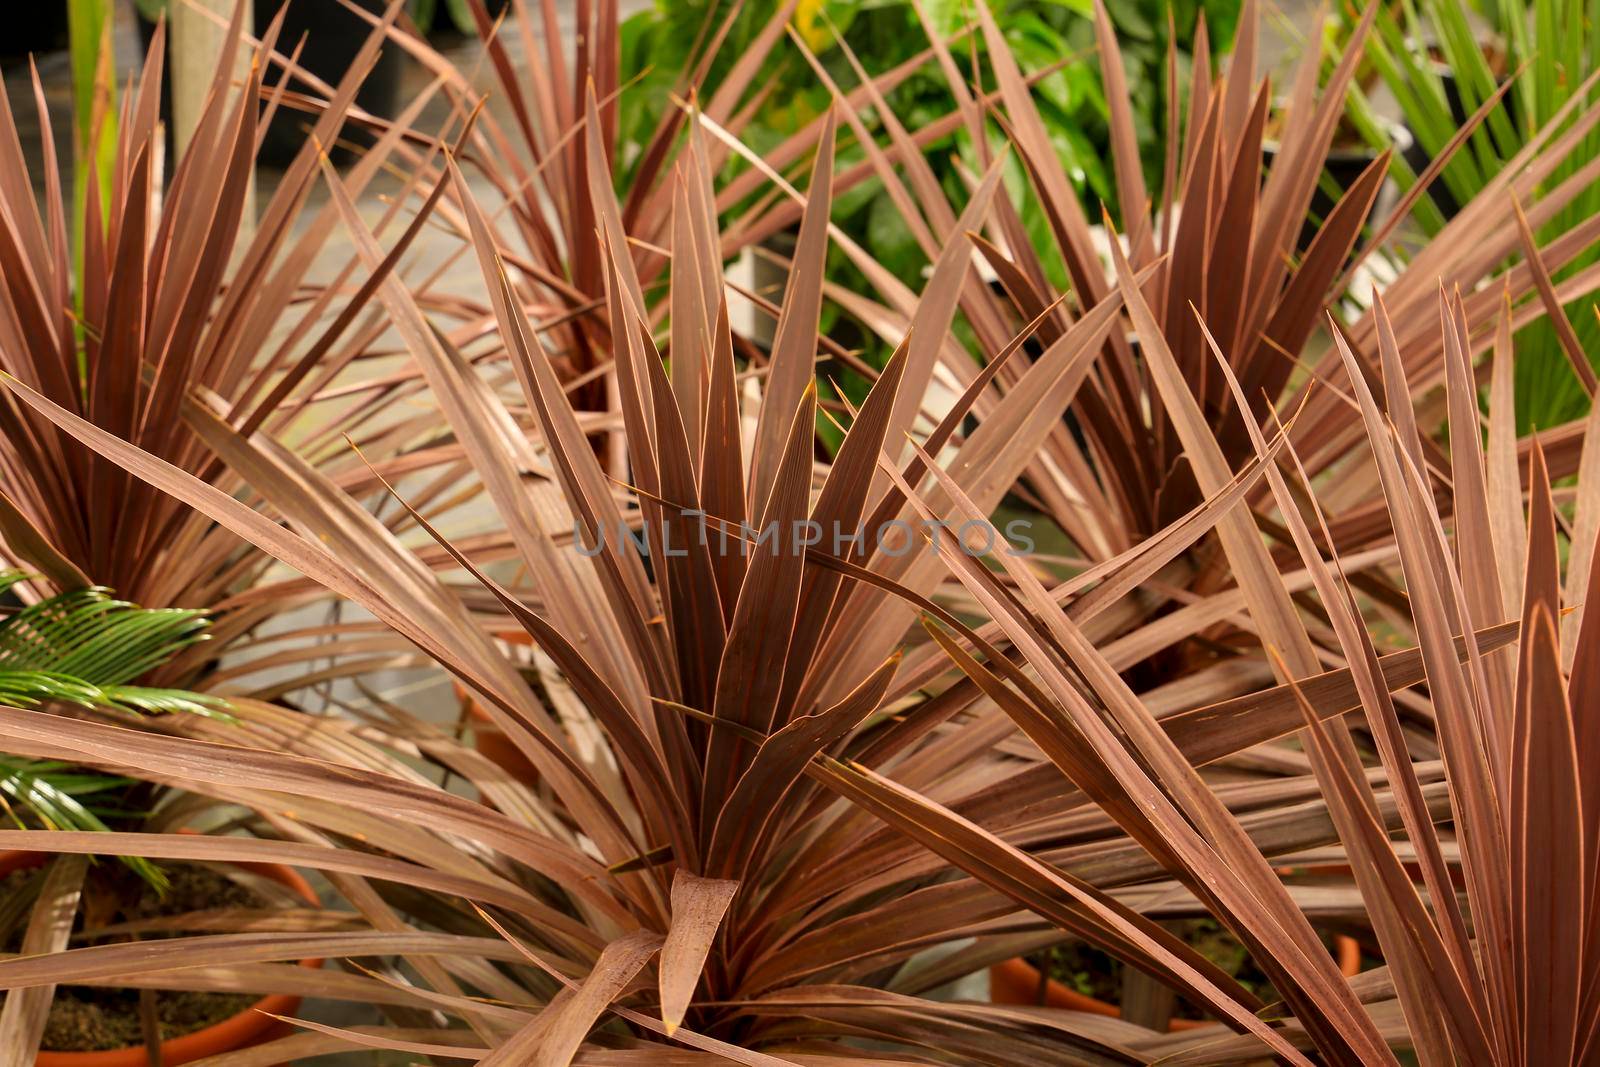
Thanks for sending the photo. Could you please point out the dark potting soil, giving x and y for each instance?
(90, 1018)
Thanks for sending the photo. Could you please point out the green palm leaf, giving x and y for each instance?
(86, 648)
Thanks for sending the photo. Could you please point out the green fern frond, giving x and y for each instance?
(86, 648)
(26, 689)
(91, 636)
(52, 794)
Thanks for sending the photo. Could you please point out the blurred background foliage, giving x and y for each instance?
(1440, 61)
(659, 42)
(664, 40)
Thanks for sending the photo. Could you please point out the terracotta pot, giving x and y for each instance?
(490, 741)
(1016, 981)
(248, 1027)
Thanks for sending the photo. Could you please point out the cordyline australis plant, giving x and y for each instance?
(188, 307)
(1512, 725)
(683, 881)
(1222, 249)
(654, 834)
(683, 872)
(1222, 240)
(1222, 243)
(535, 163)
(537, 166)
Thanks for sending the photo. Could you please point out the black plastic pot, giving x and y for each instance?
(1344, 165)
(333, 35)
(32, 28)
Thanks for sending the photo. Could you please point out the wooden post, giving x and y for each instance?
(198, 29)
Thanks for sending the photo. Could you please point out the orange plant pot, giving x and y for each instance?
(252, 1026)
(1016, 981)
(493, 744)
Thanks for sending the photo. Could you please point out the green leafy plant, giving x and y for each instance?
(425, 14)
(1053, 43)
(1440, 68)
(86, 649)
(94, 99)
